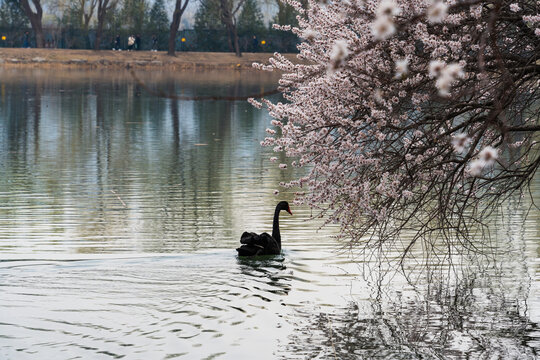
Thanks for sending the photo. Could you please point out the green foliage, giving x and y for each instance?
(250, 20)
(12, 15)
(158, 23)
(158, 20)
(209, 29)
(73, 16)
(208, 16)
(286, 15)
(133, 15)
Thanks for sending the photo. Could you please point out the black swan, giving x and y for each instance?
(264, 244)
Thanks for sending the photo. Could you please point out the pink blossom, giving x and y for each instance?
(362, 116)
(460, 142)
(338, 55)
(453, 70)
(437, 12)
(488, 155)
(407, 194)
(436, 67)
(476, 166)
(514, 7)
(402, 68)
(388, 8)
(310, 34)
(383, 28)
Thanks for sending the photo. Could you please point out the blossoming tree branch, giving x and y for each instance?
(410, 115)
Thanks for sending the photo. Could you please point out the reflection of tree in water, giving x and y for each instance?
(480, 316)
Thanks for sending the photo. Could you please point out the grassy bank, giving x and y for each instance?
(62, 58)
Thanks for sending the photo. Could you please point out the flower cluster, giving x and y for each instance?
(486, 158)
(383, 27)
(446, 75)
(408, 110)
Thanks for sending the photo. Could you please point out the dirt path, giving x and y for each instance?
(62, 58)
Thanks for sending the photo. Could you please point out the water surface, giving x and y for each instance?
(120, 212)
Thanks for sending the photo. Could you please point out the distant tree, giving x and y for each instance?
(12, 15)
(158, 20)
(208, 26)
(228, 16)
(78, 14)
(217, 15)
(86, 12)
(70, 16)
(104, 9)
(133, 15)
(250, 20)
(286, 14)
(34, 13)
(208, 16)
(179, 8)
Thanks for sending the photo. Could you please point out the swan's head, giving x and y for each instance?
(283, 205)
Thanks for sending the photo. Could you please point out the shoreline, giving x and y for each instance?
(109, 59)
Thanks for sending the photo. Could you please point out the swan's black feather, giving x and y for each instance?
(264, 244)
(255, 244)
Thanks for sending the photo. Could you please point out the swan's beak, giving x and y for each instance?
(289, 211)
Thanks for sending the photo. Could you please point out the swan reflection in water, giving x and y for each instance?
(268, 271)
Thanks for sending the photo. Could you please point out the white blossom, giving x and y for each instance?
(476, 167)
(460, 142)
(453, 70)
(310, 34)
(388, 8)
(443, 84)
(402, 68)
(383, 28)
(377, 130)
(378, 96)
(515, 7)
(488, 155)
(407, 194)
(437, 12)
(436, 67)
(338, 54)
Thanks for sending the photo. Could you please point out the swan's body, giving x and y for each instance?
(264, 244)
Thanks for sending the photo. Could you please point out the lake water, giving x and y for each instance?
(120, 212)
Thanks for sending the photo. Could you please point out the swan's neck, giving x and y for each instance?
(275, 229)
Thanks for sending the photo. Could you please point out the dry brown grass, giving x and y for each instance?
(62, 58)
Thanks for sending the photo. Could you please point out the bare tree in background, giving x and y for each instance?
(87, 11)
(104, 6)
(179, 9)
(35, 19)
(228, 17)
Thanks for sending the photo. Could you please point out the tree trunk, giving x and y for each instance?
(99, 31)
(101, 12)
(175, 24)
(228, 20)
(35, 20)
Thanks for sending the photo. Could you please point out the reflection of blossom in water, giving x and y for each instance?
(443, 322)
(469, 305)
